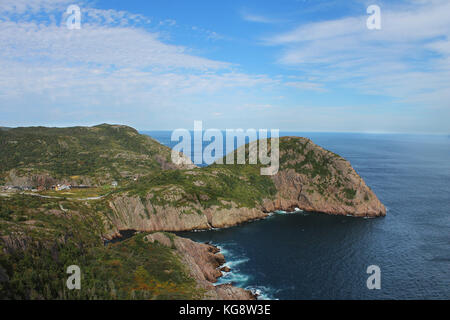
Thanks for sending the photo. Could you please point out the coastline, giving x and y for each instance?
(206, 265)
(232, 260)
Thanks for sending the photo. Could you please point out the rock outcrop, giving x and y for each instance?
(309, 178)
(134, 213)
(203, 262)
(315, 179)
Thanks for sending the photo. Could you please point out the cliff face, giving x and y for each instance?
(134, 213)
(293, 193)
(309, 178)
(314, 179)
(203, 262)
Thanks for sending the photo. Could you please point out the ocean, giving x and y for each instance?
(316, 256)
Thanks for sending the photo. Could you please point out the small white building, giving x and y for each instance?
(114, 184)
(61, 187)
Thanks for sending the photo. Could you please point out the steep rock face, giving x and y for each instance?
(203, 262)
(134, 213)
(314, 179)
(219, 217)
(292, 195)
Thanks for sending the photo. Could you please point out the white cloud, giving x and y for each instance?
(408, 59)
(112, 67)
(95, 44)
(27, 6)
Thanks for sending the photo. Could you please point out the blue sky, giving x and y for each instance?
(297, 65)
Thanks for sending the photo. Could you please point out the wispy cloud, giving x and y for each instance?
(110, 66)
(407, 59)
(26, 6)
(258, 18)
(124, 67)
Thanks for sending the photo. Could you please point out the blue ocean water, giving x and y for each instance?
(316, 256)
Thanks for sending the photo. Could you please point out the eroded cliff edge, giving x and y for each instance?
(203, 262)
(314, 179)
(309, 178)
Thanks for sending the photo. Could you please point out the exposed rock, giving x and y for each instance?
(203, 262)
(228, 217)
(42, 180)
(182, 162)
(310, 178)
(230, 292)
(15, 242)
(160, 238)
(339, 191)
(15, 179)
(131, 212)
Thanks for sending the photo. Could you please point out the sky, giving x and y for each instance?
(293, 65)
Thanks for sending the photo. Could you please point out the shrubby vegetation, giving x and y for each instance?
(319, 167)
(208, 186)
(45, 241)
(103, 151)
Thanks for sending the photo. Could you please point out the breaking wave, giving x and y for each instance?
(234, 260)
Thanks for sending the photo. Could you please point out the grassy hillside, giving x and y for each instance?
(98, 154)
(207, 186)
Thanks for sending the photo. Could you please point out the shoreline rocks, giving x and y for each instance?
(204, 262)
(225, 269)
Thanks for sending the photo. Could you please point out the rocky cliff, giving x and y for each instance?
(134, 213)
(314, 179)
(203, 262)
(309, 178)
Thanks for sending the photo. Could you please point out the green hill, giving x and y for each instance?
(91, 155)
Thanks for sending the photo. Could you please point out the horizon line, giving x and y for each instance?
(222, 129)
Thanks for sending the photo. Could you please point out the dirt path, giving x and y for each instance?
(61, 198)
